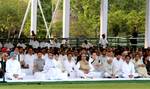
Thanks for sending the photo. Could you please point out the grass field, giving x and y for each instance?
(94, 85)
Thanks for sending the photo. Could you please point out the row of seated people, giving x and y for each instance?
(35, 43)
(54, 64)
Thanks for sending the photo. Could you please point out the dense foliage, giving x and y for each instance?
(123, 17)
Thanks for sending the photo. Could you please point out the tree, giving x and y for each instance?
(117, 22)
(124, 15)
(10, 17)
(136, 19)
(85, 17)
(41, 30)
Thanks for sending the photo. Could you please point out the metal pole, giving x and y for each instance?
(33, 16)
(53, 15)
(66, 18)
(147, 26)
(39, 3)
(104, 13)
(25, 17)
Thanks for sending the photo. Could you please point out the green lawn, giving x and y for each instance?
(78, 86)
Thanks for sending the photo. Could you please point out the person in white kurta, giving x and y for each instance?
(57, 45)
(21, 45)
(103, 41)
(29, 59)
(96, 65)
(70, 67)
(51, 69)
(103, 58)
(110, 71)
(117, 63)
(8, 45)
(59, 62)
(128, 69)
(13, 69)
(65, 42)
(86, 44)
(60, 67)
(34, 43)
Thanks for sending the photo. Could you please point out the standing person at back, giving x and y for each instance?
(103, 43)
(134, 39)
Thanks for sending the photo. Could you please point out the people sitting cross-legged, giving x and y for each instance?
(13, 68)
(60, 67)
(28, 62)
(86, 69)
(128, 69)
(117, 63)
(69, 66)
(51, 69)
(140, 66)
(96, 64)
(86, 44)
(38, 65)
(110, 71)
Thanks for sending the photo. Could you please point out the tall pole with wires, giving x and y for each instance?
(33, 29)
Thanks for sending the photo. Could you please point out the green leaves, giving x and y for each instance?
(87, 17)
(135, 18)
(10, 18)
(123, 15)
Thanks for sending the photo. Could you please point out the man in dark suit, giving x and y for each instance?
(134, 39)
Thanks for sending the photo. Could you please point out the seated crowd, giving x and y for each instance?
(62, 62)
